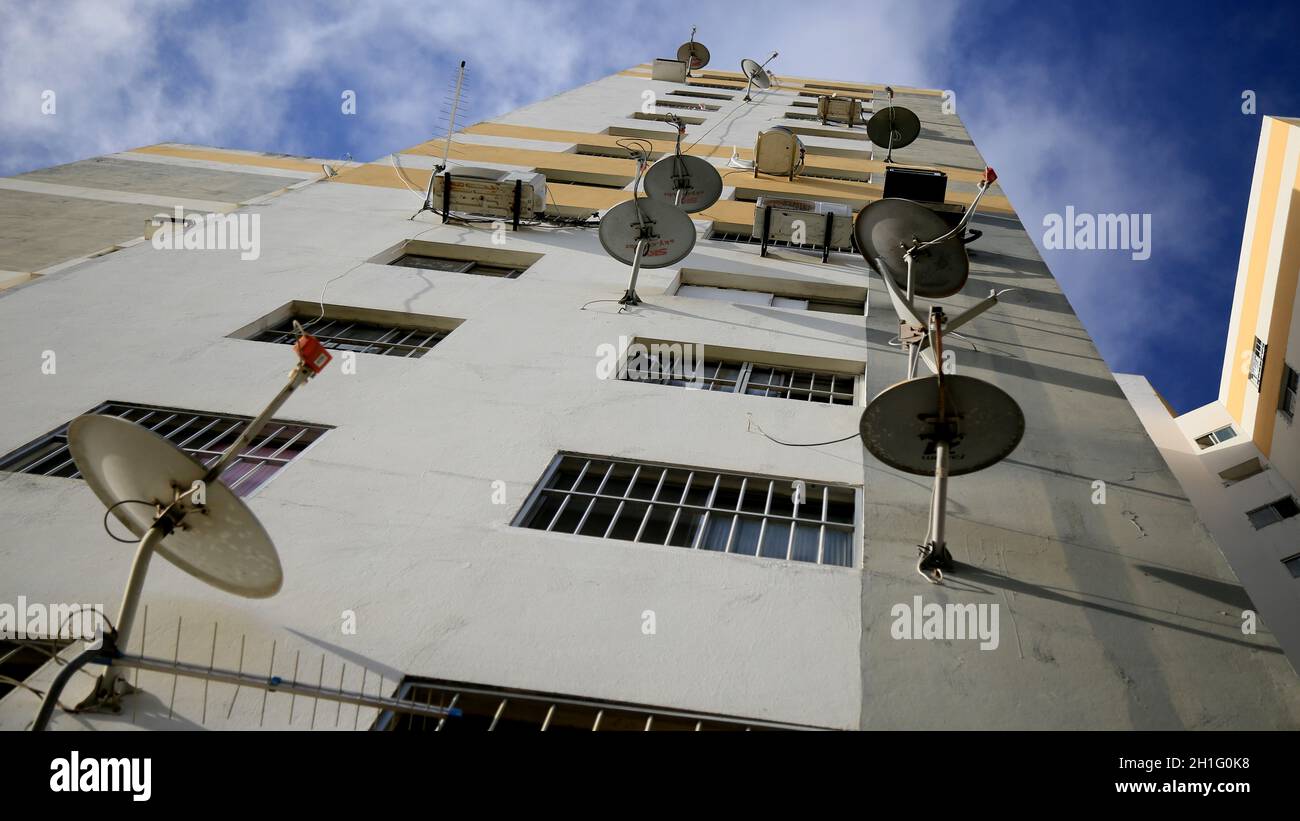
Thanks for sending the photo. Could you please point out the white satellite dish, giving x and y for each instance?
(690, 183)
(756, 74)
(224, 546)
(208, 532)
(646, 232)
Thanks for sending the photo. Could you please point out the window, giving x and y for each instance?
(19, 659)
(736, 376)
(698, 509)
(205, 436)
(755, 297)
(1293, 564)
(683, 104)
(665, 118)
(1257, 354)
(1215, 437)
(344, 328)
(745, 237)
(1245, 470)
(497, 709)
(458, 259)
(707, 95)
(1290, 386)
(699, 84)
(1273, 512)
(458, 266)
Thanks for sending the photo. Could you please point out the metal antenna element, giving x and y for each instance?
(446, 149)
(214, 536)
(757, 75)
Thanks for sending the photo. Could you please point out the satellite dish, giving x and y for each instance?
(224, 545)
(893, 127)
(756, 74)
(984, 424)
(690, 183)
(884, 231)
(645, 232)
(667, 233)
(693, 54)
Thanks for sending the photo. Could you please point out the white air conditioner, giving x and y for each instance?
(490, 192)
(803, 222)
(832, 109)
(778, 152)
(672, 71)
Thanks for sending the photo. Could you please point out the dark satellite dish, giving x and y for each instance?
(893, 127)
(983, 424)
(886, 229)
(693, 54)
(690, 183)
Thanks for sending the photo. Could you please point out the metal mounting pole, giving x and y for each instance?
(630, 297)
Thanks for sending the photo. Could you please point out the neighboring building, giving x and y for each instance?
(412, 499)
(1238, 458)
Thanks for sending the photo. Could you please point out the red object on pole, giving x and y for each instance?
(990, 176)
(312, 353)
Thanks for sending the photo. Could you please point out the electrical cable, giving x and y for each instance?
(113, 507)
(752, 425)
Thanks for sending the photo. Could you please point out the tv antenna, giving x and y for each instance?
(645, 232)
(893, 127)
(757, 74)
(446, 148)
(917, 254)
(943, 425)
(690, 183)
(693, 54)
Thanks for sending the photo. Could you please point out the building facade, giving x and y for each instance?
(500, 515)
(1238, 458)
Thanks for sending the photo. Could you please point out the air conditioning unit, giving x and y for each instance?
(832, 109)
(672, 71)
(779, 152)
(490, 192)
(824, 225)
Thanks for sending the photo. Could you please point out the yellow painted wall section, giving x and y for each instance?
(1279, 324)
(231, 157)
(1257, 270)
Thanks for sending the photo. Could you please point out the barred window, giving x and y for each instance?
(698, 509)
(747, 238)
(495, 709)
(205, 436)
(459, 266)
(358, 336)
(1257, 354)
(734, 376)
(1290, 387)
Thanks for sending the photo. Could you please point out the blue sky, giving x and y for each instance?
(1106, 107)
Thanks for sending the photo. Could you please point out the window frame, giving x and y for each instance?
(1273, 506)
(1258, 357)
(60, 436)
(1290, 388)
(531, 507)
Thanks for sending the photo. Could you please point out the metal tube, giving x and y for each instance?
(940, 504)
(131, 598)
(298, 377)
